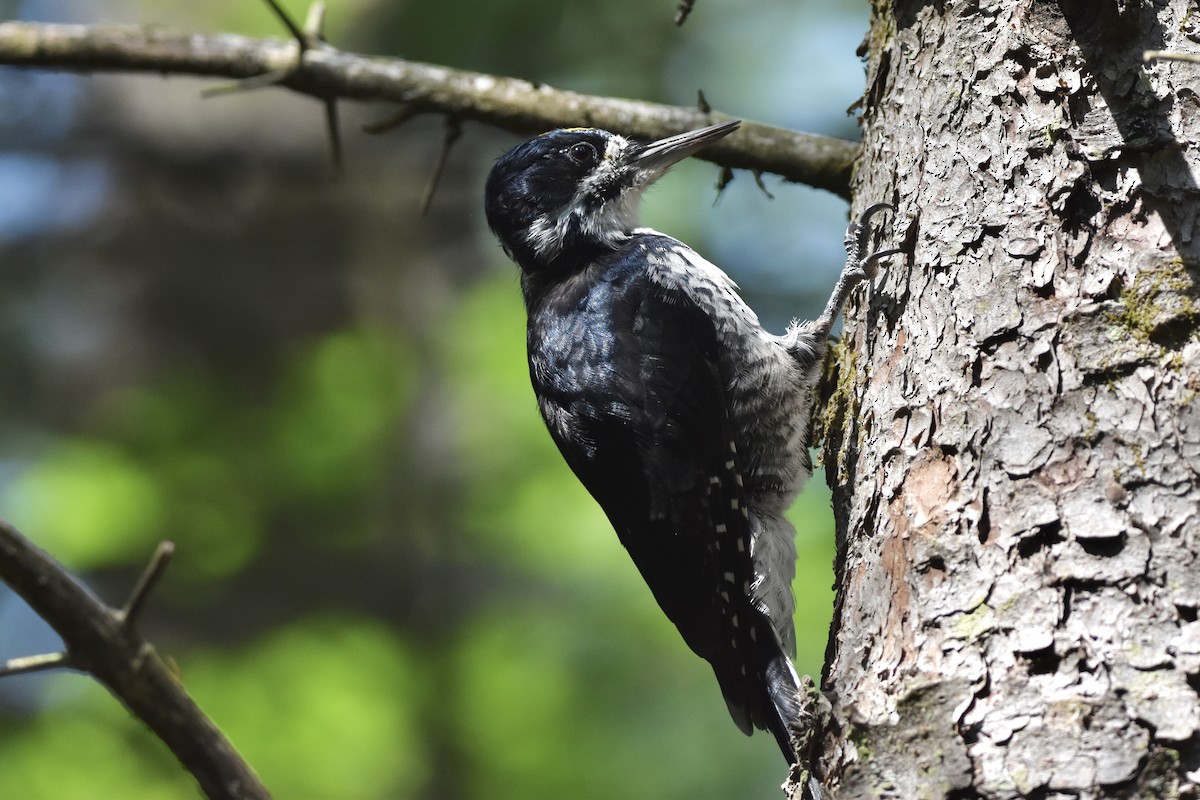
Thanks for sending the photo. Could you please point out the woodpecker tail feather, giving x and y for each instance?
(766, 692)
(785, 717)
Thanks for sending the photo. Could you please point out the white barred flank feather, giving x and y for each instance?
(770, 383)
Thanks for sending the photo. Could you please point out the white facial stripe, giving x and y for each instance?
(610, 223)
(615, 147)
(609, 164)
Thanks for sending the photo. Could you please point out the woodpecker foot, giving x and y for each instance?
(858, 235)
(860, 265)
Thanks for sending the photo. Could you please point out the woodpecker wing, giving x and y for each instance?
(628, 376)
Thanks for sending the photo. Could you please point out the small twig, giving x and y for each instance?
(1167, 55)
(335, 137)
(401, 116)
(23, 665)
(314, 27)
(146, 583)
(702, 102)
(262, 81)
(723, 181)
(758, 181)
(297, 33)
(683, 10)
(314, 23)
(304, 38)
(311, 35)
(453, 131)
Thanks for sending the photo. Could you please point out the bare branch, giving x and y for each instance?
(24, 665)
(103, 642)
(508, 103)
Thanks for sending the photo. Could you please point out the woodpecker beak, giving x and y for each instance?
(657, 157)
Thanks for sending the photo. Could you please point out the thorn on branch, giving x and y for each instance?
(702, 102)
(146, 583)
(723, 181)
(297, 33)
(314, 23)
(335, 137)
(758, 181)
(453, 131)
(311, 34)
(683, 10)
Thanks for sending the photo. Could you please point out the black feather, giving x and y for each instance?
(627, 373)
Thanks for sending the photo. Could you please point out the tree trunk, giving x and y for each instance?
(1014, 434)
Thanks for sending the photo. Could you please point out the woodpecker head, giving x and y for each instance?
(573, 193)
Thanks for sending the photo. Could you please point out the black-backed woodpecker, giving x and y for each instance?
(687, 422)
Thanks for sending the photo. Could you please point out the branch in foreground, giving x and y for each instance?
(508, 103)
(103, 642)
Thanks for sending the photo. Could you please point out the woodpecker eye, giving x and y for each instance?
(583, 154)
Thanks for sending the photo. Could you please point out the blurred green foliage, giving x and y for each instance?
(387, 583)
(328, 707)
(115, 509)
(541, 694)
(189, 457)
(324, 708)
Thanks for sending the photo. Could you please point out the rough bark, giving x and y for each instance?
(1014, 436)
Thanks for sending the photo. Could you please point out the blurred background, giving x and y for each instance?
(387, 584)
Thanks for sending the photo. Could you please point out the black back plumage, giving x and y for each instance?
(627, 377)
(631, 380)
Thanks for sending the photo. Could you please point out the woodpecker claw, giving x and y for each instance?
(859, 267)
(870, 261)
(874, 209)
(858, 236)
